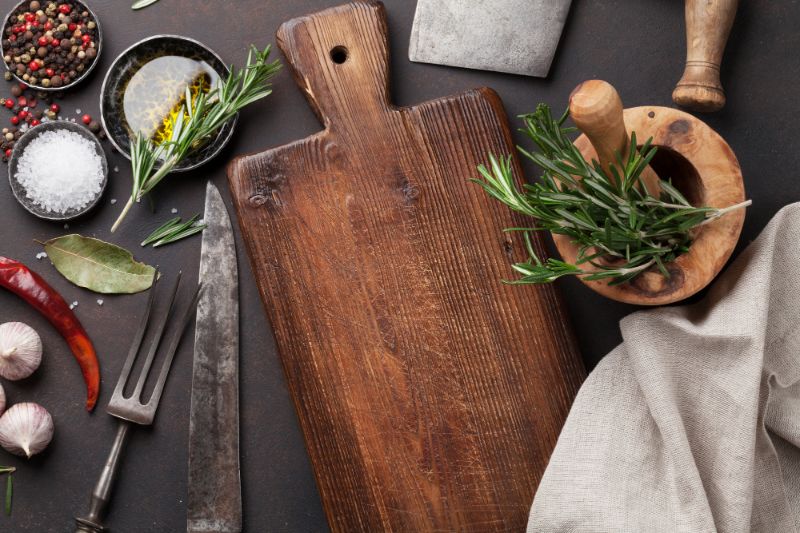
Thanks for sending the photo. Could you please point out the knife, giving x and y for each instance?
(215, 495)
(515, 36)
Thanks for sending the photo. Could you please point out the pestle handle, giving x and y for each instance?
(708, 23)
(596, 108)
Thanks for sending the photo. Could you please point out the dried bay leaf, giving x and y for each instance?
(98, 266)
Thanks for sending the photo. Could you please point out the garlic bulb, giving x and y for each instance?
(20, 350)
(26, 429)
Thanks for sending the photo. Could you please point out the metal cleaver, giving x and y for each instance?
(514, 36)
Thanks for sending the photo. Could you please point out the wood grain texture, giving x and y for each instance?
(429, 393)
(705, 169)
(596, 108)
(708, 23)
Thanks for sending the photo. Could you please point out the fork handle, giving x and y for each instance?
(102, 490)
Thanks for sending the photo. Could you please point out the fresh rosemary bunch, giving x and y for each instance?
(621, 230)
(203, 115)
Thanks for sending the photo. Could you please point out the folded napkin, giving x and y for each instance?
(693, 422)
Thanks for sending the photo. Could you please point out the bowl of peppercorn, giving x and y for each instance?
(51, 45)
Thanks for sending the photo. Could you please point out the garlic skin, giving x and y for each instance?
(26, 429)
(2, 400)
(20, 350)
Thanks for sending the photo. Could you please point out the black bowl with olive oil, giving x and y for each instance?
(146, 89)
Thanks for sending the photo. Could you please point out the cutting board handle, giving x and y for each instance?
(340, 57)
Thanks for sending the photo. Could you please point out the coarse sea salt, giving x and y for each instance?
(60, 171)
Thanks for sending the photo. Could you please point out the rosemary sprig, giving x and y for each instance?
(174, 230)
(9, 471)
(621, 230)
(204, 114)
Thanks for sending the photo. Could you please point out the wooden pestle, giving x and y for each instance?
(596, 108)
(708, 23)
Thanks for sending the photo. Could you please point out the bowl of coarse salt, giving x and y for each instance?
(58, 170)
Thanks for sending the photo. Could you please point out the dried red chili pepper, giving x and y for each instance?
(29, 286)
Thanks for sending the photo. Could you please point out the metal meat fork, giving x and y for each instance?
(132, 410)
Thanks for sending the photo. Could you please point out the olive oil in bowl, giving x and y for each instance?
(146, 88)
(156, 94)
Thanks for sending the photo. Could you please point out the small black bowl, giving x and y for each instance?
(123, 69)
(19, 190)
(86, 71)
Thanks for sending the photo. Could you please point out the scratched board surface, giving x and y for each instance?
(426, 400)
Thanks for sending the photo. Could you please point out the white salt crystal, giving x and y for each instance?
(113, 201)
(41, 255)
(116, 168)
(78, 111)
(60, 170)
(99, 302)
(75, 303)
(71, 306)
(174, 210)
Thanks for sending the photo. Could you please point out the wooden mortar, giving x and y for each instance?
(699, 162)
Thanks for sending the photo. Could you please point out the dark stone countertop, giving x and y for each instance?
(637, 46)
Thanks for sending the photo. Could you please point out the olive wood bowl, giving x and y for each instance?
(701, 165)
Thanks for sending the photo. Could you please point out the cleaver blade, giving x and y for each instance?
(215, 496)
(513, 36)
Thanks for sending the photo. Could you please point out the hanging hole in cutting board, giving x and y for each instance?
(339, 54)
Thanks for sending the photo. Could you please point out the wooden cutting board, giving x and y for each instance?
(429, 393)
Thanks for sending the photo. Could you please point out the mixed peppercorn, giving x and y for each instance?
(29, 108)
(50, 44)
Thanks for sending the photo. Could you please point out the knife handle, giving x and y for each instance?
(596, 108)
(101, 495)
(708, 24)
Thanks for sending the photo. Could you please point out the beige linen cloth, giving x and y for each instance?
(693, 422)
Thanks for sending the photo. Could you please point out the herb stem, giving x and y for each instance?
(725, 210)
(123, 214)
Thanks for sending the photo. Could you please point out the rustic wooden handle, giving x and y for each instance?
(596, 108)
(708, 23)
(340, 57)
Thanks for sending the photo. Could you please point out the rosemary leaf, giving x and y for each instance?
(161, 231)
(174, 230)
(141, 4)
(9, 471)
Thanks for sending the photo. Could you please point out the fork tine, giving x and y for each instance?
(137, 339)
(173, 347)
(156, 342)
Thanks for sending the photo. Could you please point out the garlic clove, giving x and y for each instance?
(20, 350)
(26, 429)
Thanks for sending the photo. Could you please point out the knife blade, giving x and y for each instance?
(514, 36)
(215, 497)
